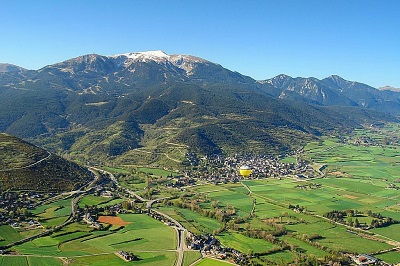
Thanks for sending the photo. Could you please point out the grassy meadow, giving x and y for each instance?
(152, 241)
(357, 177)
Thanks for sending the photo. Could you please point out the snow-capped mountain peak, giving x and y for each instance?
(184, 62)
(149, 55)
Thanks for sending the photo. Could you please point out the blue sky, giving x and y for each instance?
(358, 40)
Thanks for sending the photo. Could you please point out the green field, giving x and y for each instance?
(243, 243)
(201, 223)
(148, 238)
(144, 233)
(190, 257)
(55, 209)
(390, 257)
(283, 257)
(29, 261)
(8, 234)
(13, 261)
(357, 178)
(242, 202)
(211, 262)
(91, 200)
(192, 221)
(156, 171)
(305, 247)
(146, 258)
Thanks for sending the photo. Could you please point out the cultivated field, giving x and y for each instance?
(279, 219)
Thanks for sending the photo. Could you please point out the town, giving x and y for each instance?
(224, 169)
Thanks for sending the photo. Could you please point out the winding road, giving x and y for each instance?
(180, 230)
(27, 166)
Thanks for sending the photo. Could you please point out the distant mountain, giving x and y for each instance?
(24, 166)
(332, 91)
(138, 106)
(389, 88)
(10, 68)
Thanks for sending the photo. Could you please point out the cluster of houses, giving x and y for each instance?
(159, 217)
(14, 207)
(309, 186)
(92, 222)
(27, 225)
(221, 169)
(393, 186)
(127, 256)
(363, 141)
(181, 181)
(208, 245)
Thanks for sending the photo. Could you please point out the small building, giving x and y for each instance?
(365, 260)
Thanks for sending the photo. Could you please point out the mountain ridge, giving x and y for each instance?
(5, 67)
(98, 106)
(24, 166)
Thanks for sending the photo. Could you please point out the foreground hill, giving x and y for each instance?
(24, 166)
(145, 106)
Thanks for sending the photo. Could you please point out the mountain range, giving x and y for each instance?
(151, 106)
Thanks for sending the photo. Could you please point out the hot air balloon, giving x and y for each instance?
(245, 171)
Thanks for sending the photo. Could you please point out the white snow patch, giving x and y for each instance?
(152, 55)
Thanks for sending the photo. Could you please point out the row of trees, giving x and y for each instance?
(346, 217)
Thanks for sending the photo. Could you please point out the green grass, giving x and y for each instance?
(13, 261)
(305, 247)
(98, 260)
(204, 224)
(211, 262)
(289, 160)
(172, 211)
(358, 161)
(156, 171)
(392, 231)
(110, 203)
(147, 258)
(243, 243)
(43, 261)
(91, 200)
(70, 236)
(144, 233)
(283, 257)
(38, 247)
(116, 170)
(242, 202)
(9, 235)
(392, 257)
(190, 257)
(53, 221)
(55, 209)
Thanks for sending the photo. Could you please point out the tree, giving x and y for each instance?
(356, 223)
(350, 221)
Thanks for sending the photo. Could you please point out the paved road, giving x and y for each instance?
(179, 228)
(27, 166)
(77, 194)
(180, 233)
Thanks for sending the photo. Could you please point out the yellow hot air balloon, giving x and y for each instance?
(245, 171)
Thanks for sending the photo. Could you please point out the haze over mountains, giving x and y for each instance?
(111, 105)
